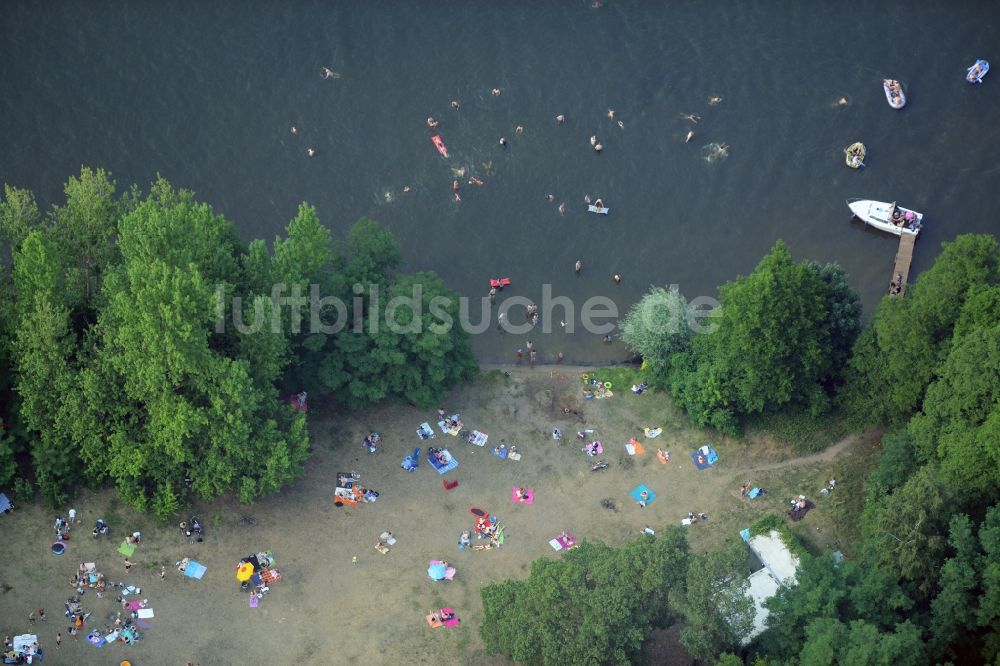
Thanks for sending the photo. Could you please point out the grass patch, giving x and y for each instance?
(621, 376)
(765, 524)
(802, 431)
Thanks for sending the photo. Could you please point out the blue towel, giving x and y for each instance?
(637, 494)
(502, 453)
(753, 493)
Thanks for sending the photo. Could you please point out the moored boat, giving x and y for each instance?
(887, 217)
(894, 93)
(978, 70)
(854, 155)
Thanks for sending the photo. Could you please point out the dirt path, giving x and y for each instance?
(825, 455)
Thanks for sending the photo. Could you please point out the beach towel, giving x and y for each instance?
(194, 570)
(637, 494)
(704, 457)
(453, 622)
(408, 464)
(95, 639)
(449, 571)
(754, 492)
(449, 485)
(564, 541)
(424, 431)
(478, 438)
(593, 449)
(443, 467)
(127, 549)
(529, 496)
(145, 613)
(798, 514)
(433, 620)
(513, 456)
(449, 429)
(500, 452)
(272, 576)
(652, 432)
(254, 601)
(634, 448)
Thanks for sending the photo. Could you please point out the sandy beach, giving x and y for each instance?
(327, 610)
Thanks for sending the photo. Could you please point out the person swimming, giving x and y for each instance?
(562, 209)
(599, 204)
(690, 135)
(611, 114)
(560, 119)
(495, 92)
(519, 129)
(311, 152)
(294, 129)
(503, 142)
(593, 140)
(690, 116)
(432, 122)
(598, 148)
(712, 101)
(579, 266)
(621, 124)
(455, 104)
(328, 73)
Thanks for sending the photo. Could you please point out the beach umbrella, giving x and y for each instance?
(244, 571)
(436, 571)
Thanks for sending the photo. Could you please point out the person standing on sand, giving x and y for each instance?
(579, 266)
(520, 356)
(532, 357)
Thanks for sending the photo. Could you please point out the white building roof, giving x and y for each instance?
(762, 587)
(775, 556)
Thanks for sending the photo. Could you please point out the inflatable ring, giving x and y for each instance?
(607, 385)
(585, 377)
(58, 548)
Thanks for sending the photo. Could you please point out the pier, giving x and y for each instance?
(904, 255)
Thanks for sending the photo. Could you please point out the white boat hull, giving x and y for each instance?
(878, 214)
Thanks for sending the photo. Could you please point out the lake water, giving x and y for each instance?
(205, 93)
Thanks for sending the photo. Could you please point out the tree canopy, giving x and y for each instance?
(150, 347)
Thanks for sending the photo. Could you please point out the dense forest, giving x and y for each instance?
(127, 356)
(925, 584)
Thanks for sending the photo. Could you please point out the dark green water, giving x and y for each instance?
(205, 93)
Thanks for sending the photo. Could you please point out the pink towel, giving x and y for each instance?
(254, 601)
(589, 449)
(134, 605)
(529, 496)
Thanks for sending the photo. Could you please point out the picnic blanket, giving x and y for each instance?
(145, 613)
(500, 452)
(449, 429)
(127, 549)
(704, 457)
(754, 492)
(637, 494)
(438, 464)
(634, 448)
(564, 541)
(449, 571)
(194, 570)
(593, 449)
(24, 641)
(272, 576)
(798, 514)
(478, 438)
(95, 639)
(652, 432)
(529, 496)
(424, 431)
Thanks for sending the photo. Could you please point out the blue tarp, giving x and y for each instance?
(194, 570)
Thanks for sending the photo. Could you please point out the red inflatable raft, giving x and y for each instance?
(500, 284)
(439, 144)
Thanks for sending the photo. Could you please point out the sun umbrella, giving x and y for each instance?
(436, 571)
(244, 572)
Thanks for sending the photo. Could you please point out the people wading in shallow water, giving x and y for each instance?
(578, 267)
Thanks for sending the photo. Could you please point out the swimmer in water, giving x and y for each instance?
(712, 101)
(406, 188)
(611, 114)
(842, 101)
(578, 267)
(689, 136)
(562, 209)
(294, 130)
(593, 140)
(598, 148)
(621, 124)
(454, 186)
(690, 116)
(475, 181)
(431, 122)
(586, 198)
(617, 278)
(495, 92)
(560, 119)
(311, 152)
(550, 197)
(503, 143)
(328, 73)
(455, 104)
(519, 129)
(599, 204)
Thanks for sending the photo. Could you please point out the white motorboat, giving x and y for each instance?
(887, 217)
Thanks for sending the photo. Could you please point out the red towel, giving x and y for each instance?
(448, 485)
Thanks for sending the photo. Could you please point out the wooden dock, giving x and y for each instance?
(904, 255)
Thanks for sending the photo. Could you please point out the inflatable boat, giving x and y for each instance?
(854, 155)
(894, 93)
(976, 73)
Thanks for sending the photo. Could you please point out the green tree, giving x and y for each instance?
(657, 328)
(897, 463)
(896, 356)
(957, 583)
(593, 606)
(718, 613)
(772, 348)
(905, 532)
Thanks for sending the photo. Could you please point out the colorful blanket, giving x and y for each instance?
(529, 496)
